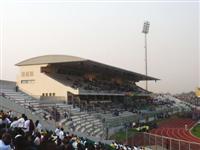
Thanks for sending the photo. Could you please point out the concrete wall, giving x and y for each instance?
(40, 83)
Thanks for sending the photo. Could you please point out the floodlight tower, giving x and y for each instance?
(145, 31)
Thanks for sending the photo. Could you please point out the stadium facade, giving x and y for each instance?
(198, 92)
(73, 79)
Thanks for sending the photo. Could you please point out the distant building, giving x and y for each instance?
(72, 78)
(198, 92)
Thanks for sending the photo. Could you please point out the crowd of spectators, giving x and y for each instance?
(119, 146)
(103, 85)
(109, 86)
(134, 105)
(20, 133)
(189, 97)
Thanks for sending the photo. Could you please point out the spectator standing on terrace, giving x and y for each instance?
(37, 139)
(5, 120)
(65, 115)
(61, 134)
(26, 124)
(1, 112)
(31, 126)
(10, 113)
(186, 127)
(21, 121)
(3, 94)
(15, 123)
(38, 126)
(16, 88)
(57, 131)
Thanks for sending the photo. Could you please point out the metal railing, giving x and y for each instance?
(157, 142)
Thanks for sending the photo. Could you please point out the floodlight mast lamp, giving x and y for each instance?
(146, 31)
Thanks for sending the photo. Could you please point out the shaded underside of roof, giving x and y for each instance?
(57, 59)
(124, 71)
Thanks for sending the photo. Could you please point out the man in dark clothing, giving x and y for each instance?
(16, 88)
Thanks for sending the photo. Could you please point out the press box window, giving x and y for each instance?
(23, 74)
(27, 74)
(27, 81)
(31, 73)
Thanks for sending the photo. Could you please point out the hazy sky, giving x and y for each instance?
(108, 32)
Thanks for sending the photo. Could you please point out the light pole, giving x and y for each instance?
(145, 31)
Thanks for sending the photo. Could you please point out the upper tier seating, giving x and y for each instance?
(102, 86)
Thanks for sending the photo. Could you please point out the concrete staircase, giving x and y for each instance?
(82, 121)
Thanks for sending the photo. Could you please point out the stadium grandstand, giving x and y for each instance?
(87, 85)
(75, 92)
(73, 79)
(190, 97)
(92, 100)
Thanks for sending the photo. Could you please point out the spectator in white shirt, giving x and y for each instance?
(61, 134)
(38, 126)
(26, 124)
(14, 124)
(57, 131)
(10, 113)
(37, 140)
(21, 121)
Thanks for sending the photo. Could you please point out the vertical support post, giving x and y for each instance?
(24, 106)
(144, 138)
(146, 73)
(102, 128)
(126, 135)
(179, 145)
(155, 142)
(70, 112)
(170, 146)
(149, 140)
(189, 146)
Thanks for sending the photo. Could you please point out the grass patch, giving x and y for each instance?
(121, 135)
(163, 120)
(196, 131)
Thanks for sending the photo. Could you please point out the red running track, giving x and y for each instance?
(175, 128)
